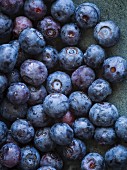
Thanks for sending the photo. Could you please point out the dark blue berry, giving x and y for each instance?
(99, 90)
(37, 117)
(46, 167)
(59, 82)
(80, 104)
(103, 114)
(87, 15)
(94, 56)
(31, 41)
(10, 155)
(14, 77)
(35, 9)
(92, 161)
(115, 69)
(61, 133)
(33, 72)
(62, 10)
(22, 131)
(52, 159)
(83, 128)
(107, 33)
(3, 132)
(3, 83)
(70, 34)
(43, 141)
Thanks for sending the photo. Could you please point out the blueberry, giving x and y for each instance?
(12, 112)
(83, 128)
(11, 7)
(92, 161)
(18, 93)
(21, 23)
(105, 136)
(33, 72)
(43, 141)
(30, 158)
(107, 33)
(37, 95)
(35, 9)
(22, 131)
(115, 69)
(14, 77)
(121, 128)
(70, 58)
(56, 105)
(49, 27)
(87, 15)
(37, 117)
(70, 34)
(116, 157)
(31, 41)
(3, 83)
(99, 90)
(6, 26)
(46, 167)
(103, 114)
(94, 56)
(52, 159)
(49, 56)
(61, 133)
(9, 54)
(10, 155)
(83, 77)
(74, 151)
(3, 132)
(59, 82)
(80, 104)
(68, 118)
(62, 10)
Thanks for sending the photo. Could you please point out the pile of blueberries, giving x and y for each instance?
(52, 103)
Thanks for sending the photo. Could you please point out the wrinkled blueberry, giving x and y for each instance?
(46, 167)
(3, 132)
(14, 77)
(3, 83)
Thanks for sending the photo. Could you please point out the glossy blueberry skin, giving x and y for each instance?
(87, 15)
(35, 9)
(3, 132)
(10, 155)
(46, 167)
(56, 105)
(92, 161)
(94, 56)
(43, 141)
(31, 41)
(9, 54)
(70, 58)
(116, 157)
(59, 82)
(11, 7)
(105, 136)
(115, 69)
(74, 151)
(22, 131)
(52, 159)
(61, 134)
(80, 104)
(49, 28)
(83, 128)
(14, 77)
(83, 77)
(6, 26)
(107, 33)
(121, 128)
(12, 112)
(68, 118)
(99, 90)
(3, 83)
(62, 10)
(70, 34)
(103, 114)
(37, 95)
(18, 93)
(37, 116)
(21, 23)
(30, 158)
(33, 72)
(49, 57)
